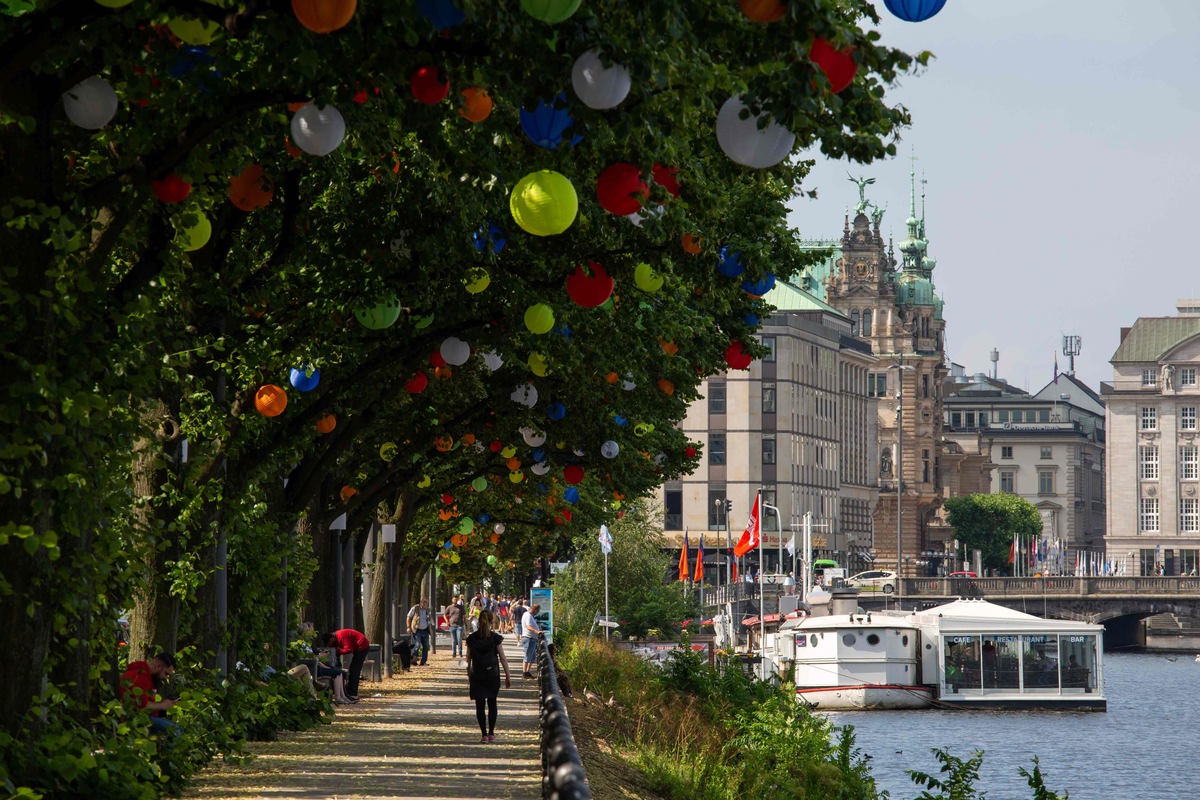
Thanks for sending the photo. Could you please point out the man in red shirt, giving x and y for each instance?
(348, 640)
(141, 681)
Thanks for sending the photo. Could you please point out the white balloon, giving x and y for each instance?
(610, 449)
(498, 527)
(540, 468)
(318, 131)
(745, 144)
(525, 394)
(597, 87)
(90, 104)
(660, 459)
(455, 351)
(492, 360)
(628, 385)
(579, 453)
(638, 217)
(532, 437)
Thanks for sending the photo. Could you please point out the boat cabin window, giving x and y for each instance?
(873, 639)
(1078, 662)
(1008, 663)
(849, 639)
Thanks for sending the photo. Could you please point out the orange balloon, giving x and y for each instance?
(327, 423)
(670, 348)
(347, 492)
(763, 10)
(477, 104)
(691, 243)
(293, 151)
(445, 515)
(666, 386)
(324, 16)
(270, 400)
(495, 537)
(513, 463)
(442, 373)
(444, 444)
(294, 107)
(252, 189)
(612, 377)
(468, 439)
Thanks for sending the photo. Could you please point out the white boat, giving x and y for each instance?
(967, 653)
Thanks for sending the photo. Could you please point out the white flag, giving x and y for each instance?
(605, 540)
(791, 545)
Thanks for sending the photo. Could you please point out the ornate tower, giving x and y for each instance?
(900, 315)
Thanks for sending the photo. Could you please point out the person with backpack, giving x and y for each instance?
(485, 656)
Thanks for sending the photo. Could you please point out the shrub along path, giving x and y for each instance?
(414, 736)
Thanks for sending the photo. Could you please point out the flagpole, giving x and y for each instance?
(606, 617)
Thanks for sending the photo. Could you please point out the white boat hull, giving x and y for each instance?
(848, 698)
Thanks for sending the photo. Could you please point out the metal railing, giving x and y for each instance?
(1181, 586)
(563, 777)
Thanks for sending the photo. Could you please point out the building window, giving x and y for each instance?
(769, 343)
(983, 419)
(866, 326)
(1149, 418)
(925, 466)
(1006, 451)
(970, 420)
(768, 398)
(1008, 482)
(673, 510)
(1002, 416)
(1189, 515)
(955, 420)
(925, 386)
(1017, 416)
(716, 397)
(1150, 378)
(770, 518)
(877, 384)
(1187, 376)
(1047, 452)
(1044, 415)
(1045, 481)
(854, 322)
(1148, 514)
(768, 449)
(1148, 463)
(1189, 462)
(1187, 418)
(716, 448)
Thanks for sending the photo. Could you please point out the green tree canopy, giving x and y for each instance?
(988, 522)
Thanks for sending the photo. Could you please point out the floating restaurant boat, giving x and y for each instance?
(966, 654)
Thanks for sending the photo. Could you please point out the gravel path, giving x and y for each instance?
(413, 736)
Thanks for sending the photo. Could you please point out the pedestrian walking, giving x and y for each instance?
(354, 643)
(529, 633)
(454, 619)
(485, 657)
(420, 623)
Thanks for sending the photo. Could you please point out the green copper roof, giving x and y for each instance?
(914, 290)
(812, 279)
(789, 297)
(1152, 337)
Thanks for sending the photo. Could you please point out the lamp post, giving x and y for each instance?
(900, 368)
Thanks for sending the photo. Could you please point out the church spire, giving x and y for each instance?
(913, 248)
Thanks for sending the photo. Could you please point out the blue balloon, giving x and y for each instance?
(750, 319)
(556, 411)
(761, 287)
(564, 331)
(442, 13)
(547, 123)
(484, 519)
(447, 545)
(539, 455)
(491, 236)
(622, 421)
(729, 262)
(914, 10)
(571, 495)
(543, 488)
(302, 381)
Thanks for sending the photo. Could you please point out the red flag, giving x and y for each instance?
(683, 559)
(1012, 551)
(698, 572)
(752, 536)
(734, 569)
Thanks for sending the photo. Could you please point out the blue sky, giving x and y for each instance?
(1059, 139)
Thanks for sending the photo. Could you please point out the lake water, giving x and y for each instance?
(1144, 746)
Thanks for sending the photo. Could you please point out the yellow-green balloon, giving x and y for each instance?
(479, 484)
(425, 482)
(387, 451)
(509, 451)
(477, 280)
(551, 11)
(196, 235)
(113, 3)
(194, 31)
(465, 526)
(538, 365)
(516, 476)
(646, 279)
(455, 558)
(544, 203)
(539, 318)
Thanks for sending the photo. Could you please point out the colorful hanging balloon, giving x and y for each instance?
(729, 262)
(538, 365)
(763, 10)
(597, 86)
(417, 383)
(591, 290)
(442, 13)
(193, 30)
(548, 123)
(543, 203)
(479, 484)
(251, 189)
(556, 411)
(533, 438)
(573, 474)
(305, 377)
(171, 188)
(571, 495)
(91, 104)
(317, 130)
(270, 400)
(196, 235)
(839, 66)
(525, 394)
(759, 287)
(539, 318)
(477, 280)
(388, 450)
(326, 424)
(914, 10)
(477, 104)
(620, 189)
(429, 85)
(455, 351)
(383, 315)
(551, 11)
(737, 357)
(492, 360)
(610, 449)
(646, 279)
(324, 16)
(741, 138)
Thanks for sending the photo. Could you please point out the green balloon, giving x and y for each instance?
(492, 560)
(479, 484)
(465, 526)
(381, 316)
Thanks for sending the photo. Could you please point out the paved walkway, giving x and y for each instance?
(423, 745)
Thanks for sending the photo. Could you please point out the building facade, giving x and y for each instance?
(1153, 484)
(799, 425)
(1048, 448)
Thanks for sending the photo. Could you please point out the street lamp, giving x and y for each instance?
(900, 368)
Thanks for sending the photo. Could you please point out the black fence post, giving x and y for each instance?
(563, 777)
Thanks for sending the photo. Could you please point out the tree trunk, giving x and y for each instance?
(320, 609)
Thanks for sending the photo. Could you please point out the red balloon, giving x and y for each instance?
(592, 290)
(171, 188)
(417, 383)
(737, 357)
(496, 446)
(429, 85)
(838, 65)
(573, 474)
(447, 499)
(620, 189)
(436, 360)
(689, 451)
(668, 178)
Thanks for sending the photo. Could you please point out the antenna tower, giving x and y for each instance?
(1071, 347)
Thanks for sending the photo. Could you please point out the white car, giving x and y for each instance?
(876, 580)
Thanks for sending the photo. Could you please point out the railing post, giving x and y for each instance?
(563, 777)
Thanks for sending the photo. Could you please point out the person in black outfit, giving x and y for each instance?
(485, 656)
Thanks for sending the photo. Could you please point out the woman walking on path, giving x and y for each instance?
(485, 656)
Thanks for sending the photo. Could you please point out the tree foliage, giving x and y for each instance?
(988, 522)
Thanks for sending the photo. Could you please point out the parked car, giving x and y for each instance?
(963, 575)
(876, 580)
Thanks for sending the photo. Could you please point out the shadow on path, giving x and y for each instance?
(426, 744)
